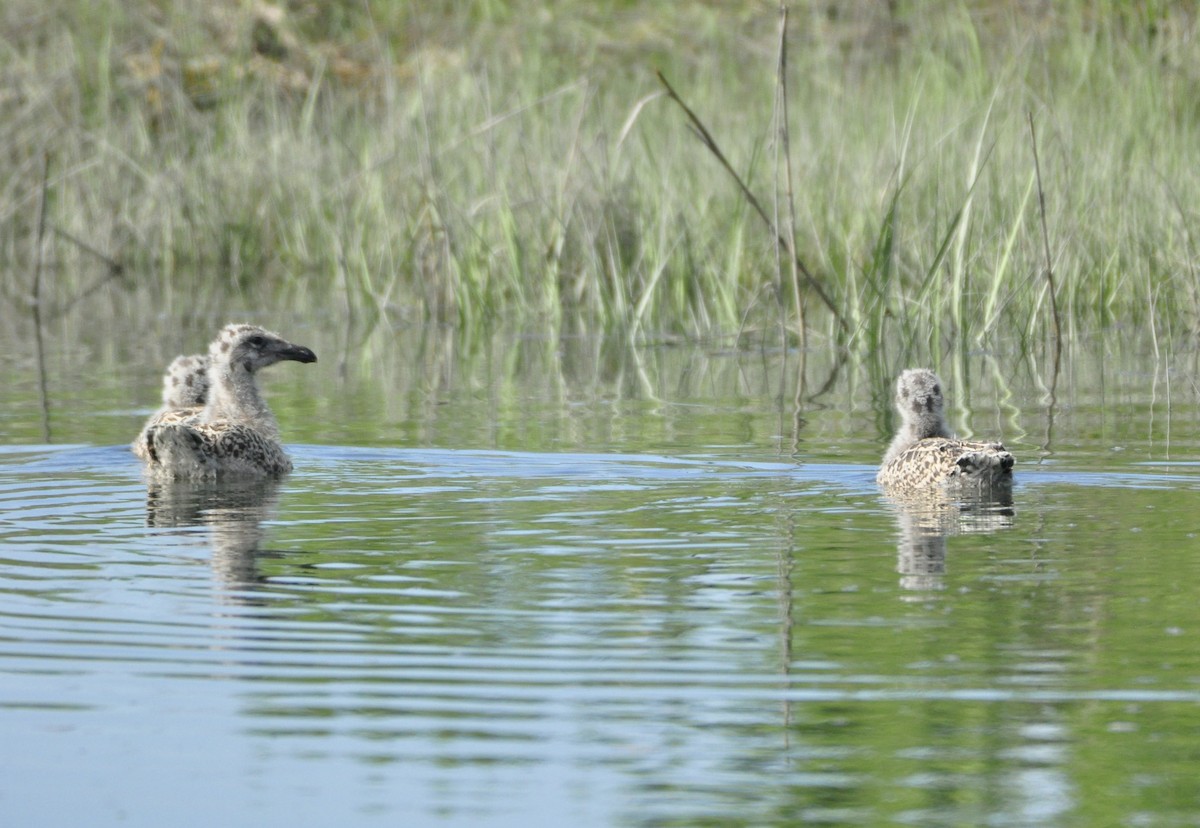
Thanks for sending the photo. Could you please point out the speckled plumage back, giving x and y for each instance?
(185, 385)
(938, 460)
(185, 390)
(201, 450)
(924, 453)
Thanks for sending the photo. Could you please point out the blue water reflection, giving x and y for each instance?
(465, 637)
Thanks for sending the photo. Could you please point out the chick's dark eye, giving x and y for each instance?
(257, 341)
(937, 389)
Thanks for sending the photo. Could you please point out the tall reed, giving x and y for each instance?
(498, 161)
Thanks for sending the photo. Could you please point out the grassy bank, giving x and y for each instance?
(516, 162)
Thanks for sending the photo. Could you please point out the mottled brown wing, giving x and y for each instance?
(173, 416)
(938, 460)
(207, 450)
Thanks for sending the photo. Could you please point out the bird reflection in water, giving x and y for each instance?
(927, 518)
(234, 512)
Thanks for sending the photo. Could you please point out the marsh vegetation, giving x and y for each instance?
(535, 557)
(519, 163)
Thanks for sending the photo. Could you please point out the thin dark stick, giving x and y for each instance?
(115, 268)
(115, 271)
(778, 249)
(37, 299)
(785, 137)
(801, 321)
(777, 282)
(64, 308)
(1052, 402)
(706, 138)
(1046, 244)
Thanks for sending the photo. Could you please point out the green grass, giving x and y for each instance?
(512, 162)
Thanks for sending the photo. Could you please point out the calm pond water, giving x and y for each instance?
(538, 583)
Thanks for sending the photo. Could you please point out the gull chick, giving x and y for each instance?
(924, 453)
(232, 432)
(185, 390)
(185, 384)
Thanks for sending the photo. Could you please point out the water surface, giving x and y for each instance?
(541, 585)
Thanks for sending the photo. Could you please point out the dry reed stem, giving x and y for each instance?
(710, 143)
(785, 138)
(36, 297)
(1046, 246)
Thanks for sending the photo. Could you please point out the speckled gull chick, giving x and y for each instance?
(234, 433)
(185, 384)
(924, 453)
(185, 390)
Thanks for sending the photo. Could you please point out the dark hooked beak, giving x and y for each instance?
(296, 353)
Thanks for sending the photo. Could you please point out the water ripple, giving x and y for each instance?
(673, 627)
